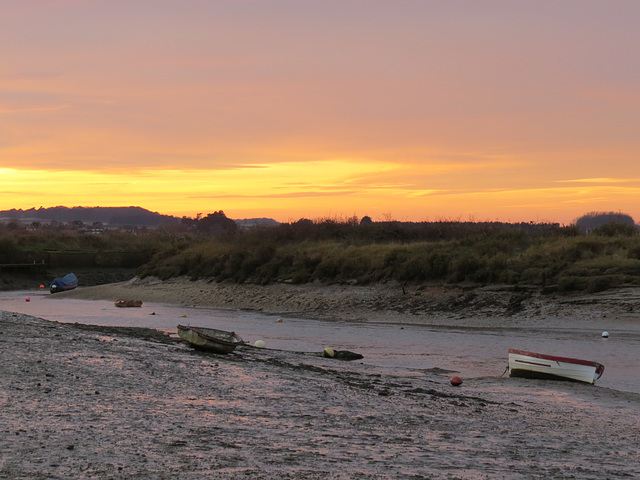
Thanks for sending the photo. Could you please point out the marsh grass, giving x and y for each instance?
(63, 241)
(329, 251)
(72, 249)
(548, 256)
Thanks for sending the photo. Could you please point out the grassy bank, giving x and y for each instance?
(547, 256)
(15, 244)
(34, 258)
(541, 255)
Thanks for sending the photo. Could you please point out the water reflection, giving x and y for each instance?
(471, 351)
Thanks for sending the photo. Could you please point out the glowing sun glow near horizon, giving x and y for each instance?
(493, 110)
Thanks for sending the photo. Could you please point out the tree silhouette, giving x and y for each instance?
(592, 220)
(216, 224)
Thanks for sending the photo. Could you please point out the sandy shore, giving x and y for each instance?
(127, 403)
(89, 402)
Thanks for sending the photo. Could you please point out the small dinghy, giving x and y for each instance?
(211, 339)
(62, 284)
(538, 365)
(123, 303)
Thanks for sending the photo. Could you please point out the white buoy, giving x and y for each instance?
(605, 334)
(259, 344)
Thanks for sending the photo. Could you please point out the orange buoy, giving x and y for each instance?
(41, 287)
(456, 381)
(279, 320)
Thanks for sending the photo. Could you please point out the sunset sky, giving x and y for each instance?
(511, 110)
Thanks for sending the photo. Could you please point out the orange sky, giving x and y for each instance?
(494, 110)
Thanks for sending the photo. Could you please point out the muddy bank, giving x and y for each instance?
(88, 402)
(389, 302)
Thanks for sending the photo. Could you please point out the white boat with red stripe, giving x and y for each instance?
(538, 365)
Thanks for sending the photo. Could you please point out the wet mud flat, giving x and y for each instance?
(88, 402)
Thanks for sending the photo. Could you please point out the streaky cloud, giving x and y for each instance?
(600, 180)
(308, 194)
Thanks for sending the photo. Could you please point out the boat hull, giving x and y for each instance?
(210, 339)
(63, 284)
(537, 365)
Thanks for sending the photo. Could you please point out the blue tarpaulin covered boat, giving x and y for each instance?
(62, 284)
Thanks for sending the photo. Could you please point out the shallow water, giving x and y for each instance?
(471, 352)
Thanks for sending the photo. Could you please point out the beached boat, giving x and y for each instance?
(62, 284)
(218, 341)
(128, 303)
(537, 365)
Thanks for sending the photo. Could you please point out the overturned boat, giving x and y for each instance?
(62, 284)
(211, 339)
(538, 365)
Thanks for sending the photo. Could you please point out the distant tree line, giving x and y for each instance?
(217, 224)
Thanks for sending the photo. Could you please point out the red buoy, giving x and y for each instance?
(456, 381)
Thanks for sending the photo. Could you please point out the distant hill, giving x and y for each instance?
(113, 216)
